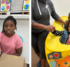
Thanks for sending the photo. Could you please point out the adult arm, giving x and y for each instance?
(55, 15)
(41, 26)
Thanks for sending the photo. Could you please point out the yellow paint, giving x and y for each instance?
(1, 4)
(24, 7)
(5, 5)
(3, 0)
(14, 56)
(7, 1)
(28, 7)
(27, 2)
(5, 9)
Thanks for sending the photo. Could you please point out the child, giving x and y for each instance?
(65, 35)
(10, 43)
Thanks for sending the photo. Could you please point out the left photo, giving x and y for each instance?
(14, 33)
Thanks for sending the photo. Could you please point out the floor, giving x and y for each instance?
(35, 59)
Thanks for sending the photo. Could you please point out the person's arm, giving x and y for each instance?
(41, 26)
(18, 46)
(55, 15)
(60, 20)
(58, 33)
(18, 52)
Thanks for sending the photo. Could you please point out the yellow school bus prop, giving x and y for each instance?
(57, 54)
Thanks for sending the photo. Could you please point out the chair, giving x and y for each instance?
(21, 38)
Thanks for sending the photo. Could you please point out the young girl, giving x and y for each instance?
(65, 35)
(10, 43)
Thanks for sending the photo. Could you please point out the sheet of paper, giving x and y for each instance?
(5, 5)
(26, 5)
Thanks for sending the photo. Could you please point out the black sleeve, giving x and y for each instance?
(53, 13)
(58, 33)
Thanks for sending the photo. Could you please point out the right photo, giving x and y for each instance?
(50, 33)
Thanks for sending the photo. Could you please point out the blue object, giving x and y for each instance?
(53, 64)
(10, 1)
(27, 6)
(63, 26)
(39, 64)
(21, 38)
(2, 8)
(64, 37)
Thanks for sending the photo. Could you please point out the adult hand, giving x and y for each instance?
(50, 28)
(41, 26)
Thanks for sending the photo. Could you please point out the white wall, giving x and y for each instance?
(22, 30)
(62, 8)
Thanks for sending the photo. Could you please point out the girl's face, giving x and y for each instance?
(69, 28)
(9, 28)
